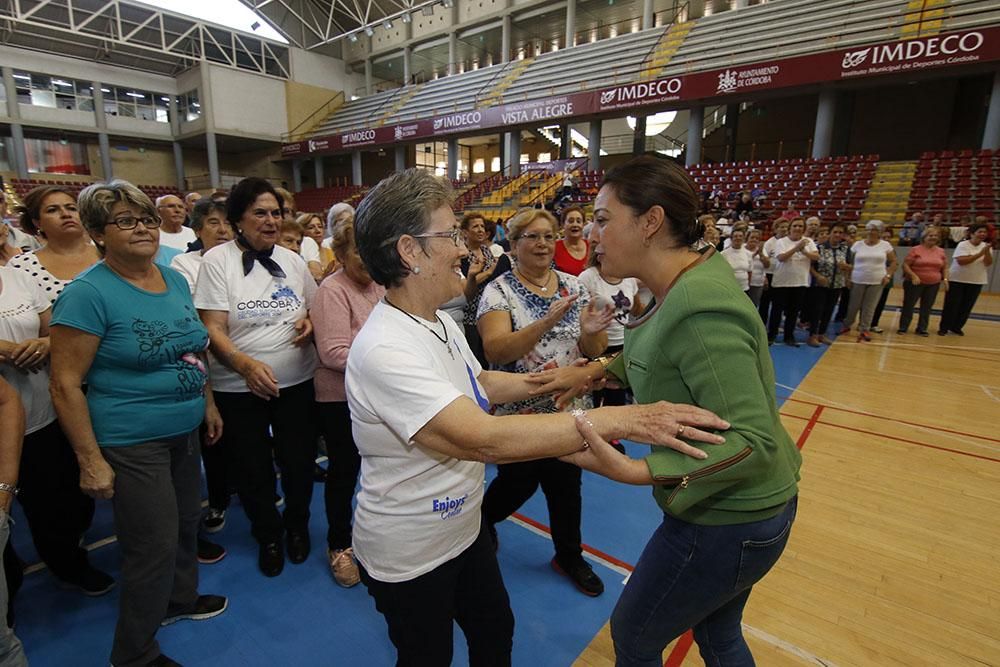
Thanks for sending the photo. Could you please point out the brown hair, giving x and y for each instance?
(288, 198)
(469, 217)
(292, 226)
(31, 210)
(569, 209)
(647, 181)
(342, 240)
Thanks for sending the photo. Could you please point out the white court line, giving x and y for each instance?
(888, 343)
(932, 347)
(990, 393)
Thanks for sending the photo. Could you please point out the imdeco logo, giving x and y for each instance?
(854, 58)
(951, 48)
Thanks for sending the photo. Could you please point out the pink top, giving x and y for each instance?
(340, 309)
(927, 263)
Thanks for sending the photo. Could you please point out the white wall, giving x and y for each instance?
(68, 118)
(247, 104)
(316, 69)
(136, 126)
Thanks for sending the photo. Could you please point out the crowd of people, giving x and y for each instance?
(242, 336)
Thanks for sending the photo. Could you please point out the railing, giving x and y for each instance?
(502, 71)
(297, 133)
(673, 19)
(376, 113)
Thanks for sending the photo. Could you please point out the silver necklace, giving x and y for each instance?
(443, 340)
(544, 286)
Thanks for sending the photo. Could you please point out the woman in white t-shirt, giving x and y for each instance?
(967, 276)
(874, 265)
(794, 254)
(58, 512)
(740, 258)
(780, 229)
(254, 298)
(419, 402)
(758, 269)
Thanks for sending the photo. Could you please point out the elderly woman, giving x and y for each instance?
(419, 402)
(480, 266)
(208, 220)
(8, 250)
(829, 275)
(780, 229)
(343, 303)
(128, 329)
(873, 266)
(254, 298)
(318, 257)
(530, 319)
(572, 251)
(726, 519)
(795, 254)
(925, 269)
(758, 269)
(740, 258)
(968, 274)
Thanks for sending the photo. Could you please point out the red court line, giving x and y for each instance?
(586, 547)
(894, 420)
(800, 443)
(898, 439)
(680, 651)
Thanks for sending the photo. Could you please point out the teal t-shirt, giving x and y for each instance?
(146, 382)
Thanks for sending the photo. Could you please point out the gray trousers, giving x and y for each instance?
(157, 507)
(11, 651)
(864, 298)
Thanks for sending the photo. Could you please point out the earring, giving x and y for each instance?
(415, 269)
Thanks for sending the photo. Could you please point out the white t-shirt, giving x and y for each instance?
(757, 271)
(262, 311)
(620, 295)
(972, 274)
(416, 509)
(188, 264)
(769, 251)
(742, 262)
(869, 262)
(21, 302)
(310, 250)
(794, 271)
(178, 240)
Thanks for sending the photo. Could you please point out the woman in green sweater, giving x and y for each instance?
(726, 519)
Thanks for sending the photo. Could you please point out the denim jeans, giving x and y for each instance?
(699, 577)
(11, 650)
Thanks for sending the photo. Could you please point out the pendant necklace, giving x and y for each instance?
(443, 340)
(544, 286)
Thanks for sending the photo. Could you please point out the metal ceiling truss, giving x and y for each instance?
(310, 24)
(116, 30)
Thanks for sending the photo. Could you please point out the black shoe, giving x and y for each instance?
(791, 342)
(942, 332)
(582, 576)
(163, 661)
(205, 607)
(319, 474)
(210, 552)
(91, 582)
(298, 547)
(900, 332)
(214, 520)
(271, 559)
(958, 332)
(920, 332)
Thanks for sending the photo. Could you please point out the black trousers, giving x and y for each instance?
(881, 304)
(252, 454)
(58, 512)
(216, 475)
(421, 613)
(844, 302)
(787, 301)
(959, 301)
(911, 294)
(560, 482)
(764, 307)
(341, 472)
(821, 302)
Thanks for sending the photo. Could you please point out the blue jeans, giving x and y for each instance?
(699, 577)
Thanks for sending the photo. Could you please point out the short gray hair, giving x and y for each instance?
(96, 201)
(335, 212)
(163, 198)
(399, 205)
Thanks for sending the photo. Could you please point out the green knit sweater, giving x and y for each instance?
(705, 345)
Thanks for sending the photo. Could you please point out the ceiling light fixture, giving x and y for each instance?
(353, 37)
(369, 31)
(406, 18)
(427, 10)
(387, 24)
(447, 4)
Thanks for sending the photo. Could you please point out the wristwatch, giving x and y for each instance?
(9, 488)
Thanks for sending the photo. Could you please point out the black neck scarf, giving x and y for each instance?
(263, 256)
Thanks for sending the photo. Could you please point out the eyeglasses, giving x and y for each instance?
(455, 235)
(130, 222)
(264, 214)
(535, 237)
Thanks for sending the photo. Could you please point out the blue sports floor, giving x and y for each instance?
(303, 618)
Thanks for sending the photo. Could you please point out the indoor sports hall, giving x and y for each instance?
(843, 112)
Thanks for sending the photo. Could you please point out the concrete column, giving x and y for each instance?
(639, 136)
(356, 168)
(991, 133)
(400, 158)
(740, 4)
(647, 14)
(213, 160)
(10, 88)
(105, 148)
(17, 152)
(297, 175)
(696, 126)
(696, 9)
(732, 127)
(101, 120)
(452, 53)
(453, 158)
(505, 39)
(179, 166)
(594, 146)
(368, 75)
(565, 142)
(823, 133)
(407, 74)
(570, 23)
(514, 148)
(320, 180)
